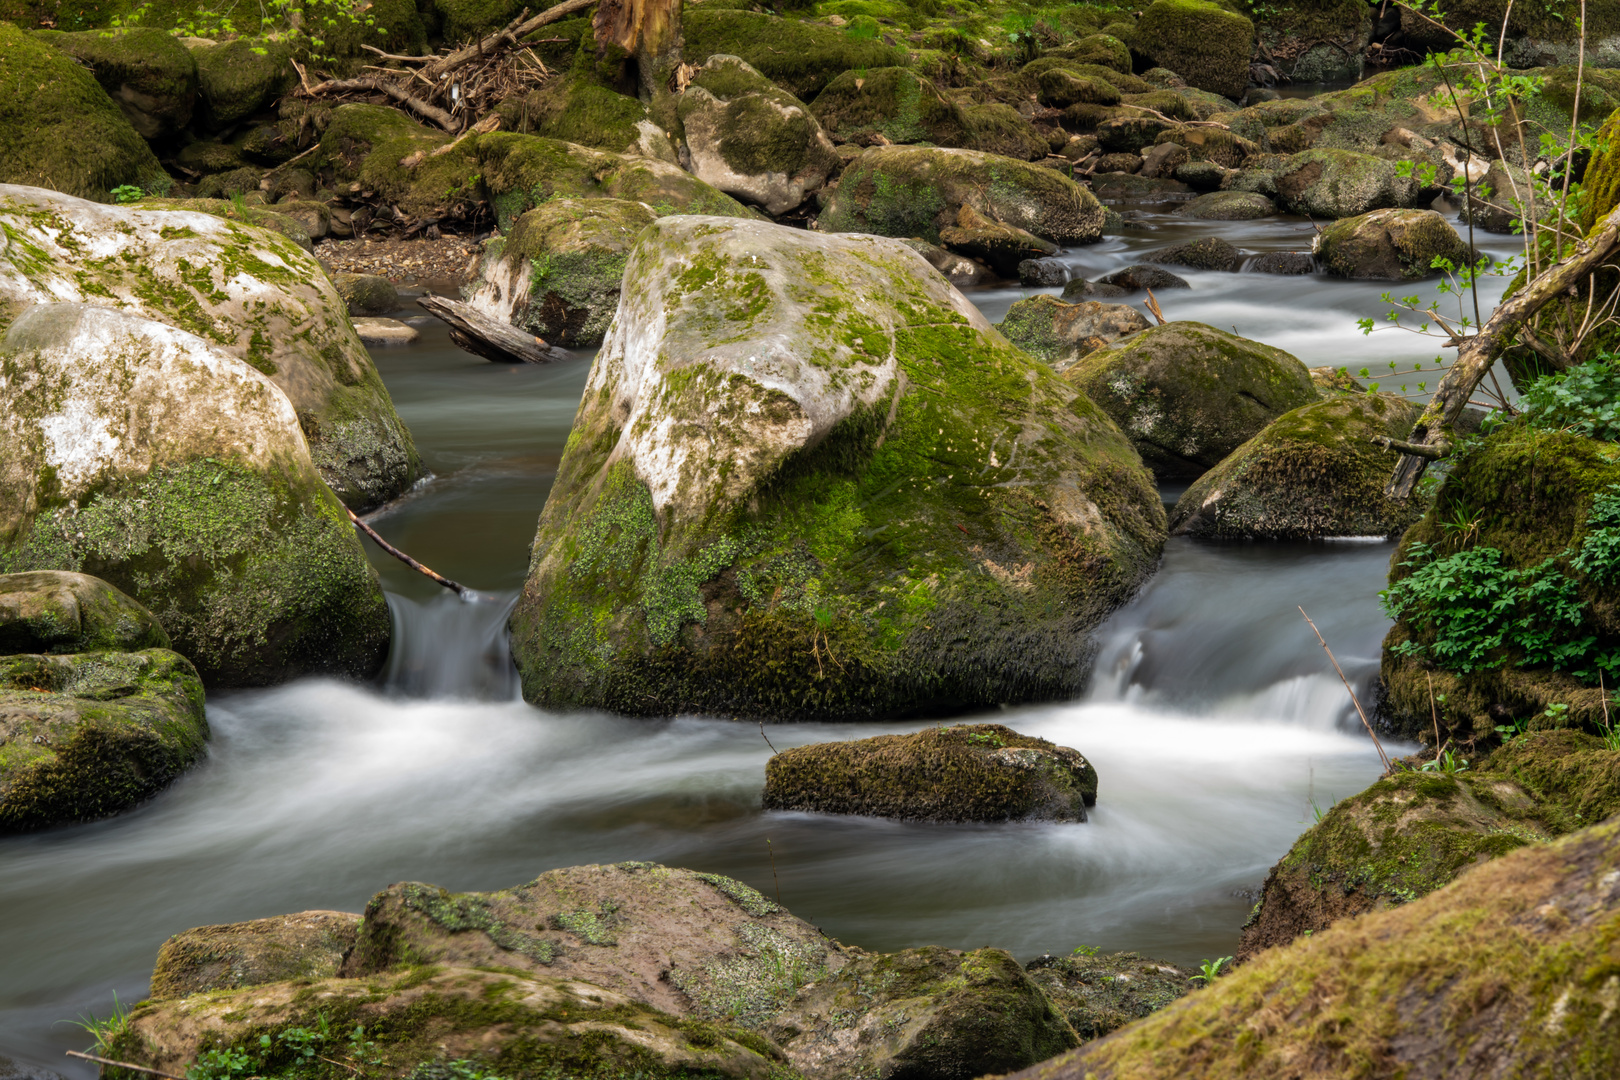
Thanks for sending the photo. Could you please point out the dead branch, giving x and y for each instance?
(1430, 453)
(390, 88)
(443, 65)
(490, 338)
(458, 589)
(401, 59)
(1388, 767)
(123, 1065)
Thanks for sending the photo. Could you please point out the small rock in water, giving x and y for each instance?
(367, 294)
(1210, 253)
(385, 332)
(1145, 277)
(1042, 272)
(1081, 289)
(1282, 262)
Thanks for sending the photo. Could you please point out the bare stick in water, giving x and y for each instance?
(1388, 767)
(459, 589)
(123, 1065)
(772, 854)
(766, 737)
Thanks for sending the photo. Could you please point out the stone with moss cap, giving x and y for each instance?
(1000, 129)
(558, 272)
(238, 78)
(179, 474)
(1099, 994)
(60, 130)
(87, 735)
(1188, 394)
(889, 105)
(807, 481)
(1104, 50)
(1204, 43)
(1312, 472)
(584, 105)
(1335, 184)
(916, 191)
(1228, 206)
(308, 945)
(799, 56)
(1390, 245)
(146, 71)
(752, 139)
(53, 612)
(969, 772)
(929, 1013)
(1060, 333)
(244, 289)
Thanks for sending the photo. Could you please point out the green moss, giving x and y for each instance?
(149, 66)
(801, 57)
(52, 612)
(1204, 43)
(464, 20)
(238, 78)
(579, 109)
(890, 102)
(1391, 245)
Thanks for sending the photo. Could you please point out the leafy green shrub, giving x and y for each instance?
(1584, 399)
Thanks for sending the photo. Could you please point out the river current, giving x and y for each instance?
(1213, 719)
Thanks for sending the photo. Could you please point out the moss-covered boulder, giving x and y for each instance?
(1228, 206)
(1342, 184)
(240, 77)
(1003, 248)
(558, 272)
(60, 130)
(1520, 510)
(578, 107)
(1312, 472)
(929, 1012)
(87, 735)
(1206, 44)
(916, 191)
(246, 290)
(367, 294)
(1188, 394)
(309, 945)
(146, 71)
(801, 57)
(463, 20)
(1104, 50)
(752, 139)
(1413, 832)
(1516, 955)
(176, 472)
(1098, 994)
(970, 772)
(441, 1021)
(889, 105)
(833, 524)
(1060, 333)
(1390, 245)
(1210, 253)
(691, 944)
(1060, 88)
(1000, 129)
(52, 611)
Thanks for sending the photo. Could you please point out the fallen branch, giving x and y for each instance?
(490, 338)
(459, 589)
(384, 86)
(1478, 353)
(123, 1065)
(1153, 306)
(479, 49)
(1422, 450)
(1388, 766)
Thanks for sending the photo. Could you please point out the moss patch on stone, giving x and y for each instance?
(309, 945)
(888, 105)
(54, 612)
(801, 57)
(146, 71)
(1099, 994)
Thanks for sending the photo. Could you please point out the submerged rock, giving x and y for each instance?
(179, 474)
(929, 1013)
(807, 481)
(1188, 394)
(1098, 994)
(308, 945)
(1059, 333)
(52, 611)
(247, 291)
(970, 772)
(1519, 951)
(1312, 472)
(91, 734)
(1390, 245)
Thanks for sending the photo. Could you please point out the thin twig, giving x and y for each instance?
(1434, 714)
(1388, 767)
(772, 854)
(766, 737)
(459, 589)
(123, 1065)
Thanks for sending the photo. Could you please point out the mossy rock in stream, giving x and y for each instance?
(1099, 994)
(1391, 245)
(60, 130)
(1312, 472)
(244, 289)
(889, 105)
(835, 527)
(308, 945)
(1413, 832)
(969, 772)
(1511, 970)
(177, 473)
(91, 734)
(1060, 333)
(1205, 43)
(800, 57)
(52, 611)
(1342, 183)
(1188, 394)
(147, 72)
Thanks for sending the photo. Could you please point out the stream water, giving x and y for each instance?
(1213, 721)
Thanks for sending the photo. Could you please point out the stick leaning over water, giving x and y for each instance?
(1388, 766)
(459, 589)
(123, 1065)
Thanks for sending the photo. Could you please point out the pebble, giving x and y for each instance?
(385, 332)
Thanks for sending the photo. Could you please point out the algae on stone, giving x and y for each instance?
(308, 945)
(55, 611)
(1391, 245)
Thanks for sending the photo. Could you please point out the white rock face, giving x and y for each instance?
(250, 293)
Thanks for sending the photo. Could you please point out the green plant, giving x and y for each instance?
(226, 1064)
(127, 193)
(1317, 813)
(1448, 763)
(104, 1031)
(1209, 969)
(1584, 399)
(1020, 31)
(1086, 950)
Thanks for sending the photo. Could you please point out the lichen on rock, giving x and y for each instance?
(308, 945)
(1391, 245)
(1060, 333)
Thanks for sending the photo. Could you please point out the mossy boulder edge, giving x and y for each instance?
(52, 611)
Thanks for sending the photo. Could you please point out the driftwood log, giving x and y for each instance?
(1430, 438)
(490, 338)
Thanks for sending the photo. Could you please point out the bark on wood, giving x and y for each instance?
(385, 86)
(1478, 353)
(490, 338)
(457, 588)
(446, 64)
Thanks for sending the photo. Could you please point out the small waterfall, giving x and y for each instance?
(450, 647)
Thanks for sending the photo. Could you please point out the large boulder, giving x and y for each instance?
(1390, 245)
(55, 612)
(60, 130)
(1060, 333)
(576, 107)
(240, 77)
(1413, 832)
(90, 734)
(146, 71)
(921, 1014)
(889, 105)
(1188, 394)
(557, 272)
(250, 292)
(799, 56)
(308, 945)
(1098, 994)
(1312, 472)
(1516, 955)
(916, 191)
(752, 139)
(1342, 184)
(969, 772)
(807, 480)
(178, 473)
(1204, 43)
